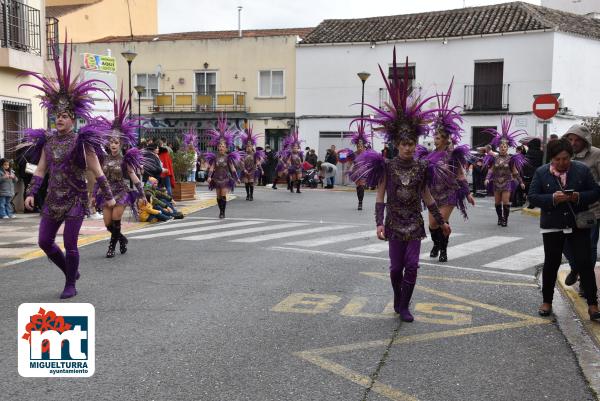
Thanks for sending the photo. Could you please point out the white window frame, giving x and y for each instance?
(146, 74)
(270, 96)
(216, 79)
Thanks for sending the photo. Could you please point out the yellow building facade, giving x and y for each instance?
(190, 78)
(87, 20)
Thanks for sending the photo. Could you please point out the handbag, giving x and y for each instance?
(583, 220)
(30, 168)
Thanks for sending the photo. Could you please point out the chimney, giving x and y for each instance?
(240, 21)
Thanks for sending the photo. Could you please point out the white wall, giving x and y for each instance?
(579, 7)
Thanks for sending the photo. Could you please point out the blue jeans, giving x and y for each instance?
(167, 182)
(5, 206)
(192, 176)
(159, 217)
(568, 252)
(331, 181)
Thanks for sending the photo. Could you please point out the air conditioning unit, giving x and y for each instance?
(561, 103)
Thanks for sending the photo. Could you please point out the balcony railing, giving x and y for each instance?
(51, 37)
(487, 97)
(20, 27)
(192, 102)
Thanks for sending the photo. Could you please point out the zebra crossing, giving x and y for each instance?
(350, 239)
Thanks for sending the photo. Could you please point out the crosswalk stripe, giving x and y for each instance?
(372, 249)
(198, 229)
(477, 246)
(274, 236)
(520, 261)
(333, 239)
(240, 232)
(169, 226)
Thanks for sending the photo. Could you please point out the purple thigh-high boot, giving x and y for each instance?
(411, 265)
(396, 251)
(70, 235)
(47, 242)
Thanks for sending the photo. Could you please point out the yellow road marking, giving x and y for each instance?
(580, 306)
(307, 303)
(385, 276)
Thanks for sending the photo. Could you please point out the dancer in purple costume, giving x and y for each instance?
(222, 172)
(360, 140)
(293, 161)
(65, 155)
(504, 169)
(117, 167)
(405, 181)
(251, 162)
(453, 191)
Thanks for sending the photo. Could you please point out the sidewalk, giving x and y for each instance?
(18, 237)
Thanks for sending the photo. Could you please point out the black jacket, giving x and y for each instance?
(544, 185)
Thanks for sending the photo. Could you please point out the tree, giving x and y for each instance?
(593, 124)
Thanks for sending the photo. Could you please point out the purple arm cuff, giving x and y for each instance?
(104, 188)
(35, 185)
(435, 212)
(379, 208)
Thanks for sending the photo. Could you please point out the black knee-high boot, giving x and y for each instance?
(251, 191)
(110, 253)
(506, 210)
(123, 241)
(220, 203)
(298, 186)
(290, 184)
(499, 213)
(443, 246)
(247, 191)
(360, 193)
(435, 238)
(224, 205)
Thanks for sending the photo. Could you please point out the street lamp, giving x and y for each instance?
(363, 77)
(139, 89)
(129, 55)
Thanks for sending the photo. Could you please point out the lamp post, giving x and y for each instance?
(363, 77)
(139, 89)
(129, 55)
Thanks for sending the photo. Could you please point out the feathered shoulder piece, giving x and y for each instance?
(505, 135)
(292, 139)
(249, 137)
(190, 137)
(260, 156)
(459, 156)
(360, 135)
(92, 136)
(403, 117)
(222, 134)
(234, 158)
(370, 167)
(489, 159)
(518, 161)
(65, 93)
(421, 152)
(447, 119)
(209, 157)
(132, 159)
(123, 125)
(37, 138)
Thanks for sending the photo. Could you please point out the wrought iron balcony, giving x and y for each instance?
(20, 27)
(487, 97)
(192, 102)
(52, 46)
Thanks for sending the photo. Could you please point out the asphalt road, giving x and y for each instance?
(290, 301)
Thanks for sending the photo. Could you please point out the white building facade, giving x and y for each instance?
(496, 71)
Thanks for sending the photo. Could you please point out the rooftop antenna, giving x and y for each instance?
(240, 21)
(464, 3)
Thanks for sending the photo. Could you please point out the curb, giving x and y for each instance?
(531, 212)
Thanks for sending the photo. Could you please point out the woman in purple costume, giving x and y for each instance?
(222, 172)
(504, 169)
(360, 140)
(251, 162)
(117, 168)
(65, 155)
(405, 182)
(453, 191)
(293, 161)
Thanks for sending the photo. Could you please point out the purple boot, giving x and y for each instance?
(58, 258)
(396, 279)
(405, 296)
(71, 270)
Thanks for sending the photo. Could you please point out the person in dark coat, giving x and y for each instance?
(562, 189)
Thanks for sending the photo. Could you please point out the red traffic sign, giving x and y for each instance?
(545, 106)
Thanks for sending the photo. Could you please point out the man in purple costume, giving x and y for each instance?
(65, 155)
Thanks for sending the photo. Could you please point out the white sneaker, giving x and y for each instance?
(96, 216)
(5, 217)
(13, 216)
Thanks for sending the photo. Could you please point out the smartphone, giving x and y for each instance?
(569, 191)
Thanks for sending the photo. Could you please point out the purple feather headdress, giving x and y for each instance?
(190, 138)
(360, 135)
(221, 134)
(447, 119)
(505, 135)
(249, 137)
(65, 93)
(405, 118)
(125, 126)
(292, 139)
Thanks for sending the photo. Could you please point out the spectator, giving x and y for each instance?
(312, 158)
(535, 158)
(327, 170)
(562, 189)
(168, 176)
(202, 169)
(479, 173)
(270, 165)
(8, 180)
(553, 137)
(580, 138)
(161, 200)
(148, 213)
(192, 173)
(331, 158)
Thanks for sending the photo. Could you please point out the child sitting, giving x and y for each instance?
(148, 213)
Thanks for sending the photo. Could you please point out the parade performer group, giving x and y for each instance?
(405, 181)
(65, 156)
(504, 169)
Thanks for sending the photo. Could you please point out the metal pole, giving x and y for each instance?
(129, 69)
(362, 104)
(545, 140)
(139, 117)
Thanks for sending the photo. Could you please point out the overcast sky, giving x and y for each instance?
(209, 15)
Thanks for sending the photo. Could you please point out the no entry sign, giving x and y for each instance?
(545, 106)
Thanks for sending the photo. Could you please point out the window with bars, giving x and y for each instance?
(400, 71)
(16, 117)
(271, 83)
(150, 82)
(51, 37)
(20, 27)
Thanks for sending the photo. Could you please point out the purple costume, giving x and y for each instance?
(293, 161)
(66, 155)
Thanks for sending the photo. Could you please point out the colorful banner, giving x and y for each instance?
(99, 63)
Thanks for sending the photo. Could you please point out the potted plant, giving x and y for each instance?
(183, 162)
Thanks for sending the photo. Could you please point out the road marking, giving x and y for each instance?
(383, 246)
(333, 239)
(174, 226)
(195, 230)
(477, 246)
(280, 220)
(268, 237)
(240, 232)
(385, 259)
(307, 303)
(386, 277)
(520, 261)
